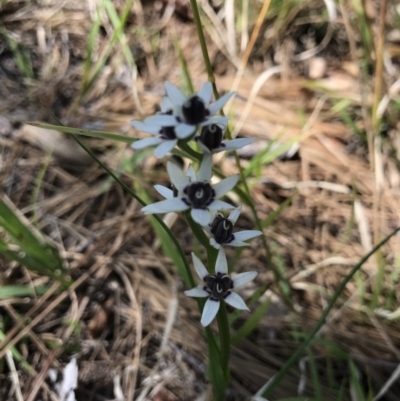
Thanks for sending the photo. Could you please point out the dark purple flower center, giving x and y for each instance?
(211, 136)
(218, 285)
(222, 229)
(168, 132)
(200, 194)
(194, 110)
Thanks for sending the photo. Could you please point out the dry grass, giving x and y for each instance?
(120, 314)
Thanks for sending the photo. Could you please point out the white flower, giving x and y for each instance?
(210, 140)
(222, 230)
(190, 112)
(218, 286)
(194, 192)
(164, 136)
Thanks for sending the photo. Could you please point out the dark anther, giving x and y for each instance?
(168, 132)
(218, 285)
(222, 229)
(200, 194)
(211, 136)
(194, 110)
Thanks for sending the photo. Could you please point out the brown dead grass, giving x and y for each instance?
(125, 291)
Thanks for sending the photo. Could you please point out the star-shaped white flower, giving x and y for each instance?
(221, 229)
(190, 112)
(218, 286)
(164, 136)
(210, 140)
(194, 192)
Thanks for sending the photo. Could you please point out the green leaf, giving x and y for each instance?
(25, 247)
(13, 291)
(85, 132)
(296, 355)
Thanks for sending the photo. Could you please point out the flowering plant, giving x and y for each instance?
(192, 118)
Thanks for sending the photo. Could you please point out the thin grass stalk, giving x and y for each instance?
(295, 357)
(203, 45)
(375, 147)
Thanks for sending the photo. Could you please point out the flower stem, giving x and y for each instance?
(222, 317)
(225, 339)
(203, 45)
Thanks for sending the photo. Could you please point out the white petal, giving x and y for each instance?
(234, 215)
(70, 381)
(225, 185)
(174, 94)
(247, 234)
(162, 120)
(214, 243)
(149, 128)
(178, 177)
(204, 148)
(209, 312)
(191, 173)
(217, 204)
(164, 191)
(236, 301)
(219, 120)
(201, 216)
(205, 170)
(144, 143)
(205, 93)
(220, 103)
(208, 228)
(183, 131)
(237, 243)
(235, 144)
(166, 104)
(221, 265)
(165, 147)
(197, 292)
(201, 270)
(243, 278)
(165, 206)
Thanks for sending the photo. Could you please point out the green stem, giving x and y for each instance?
(203, 45)
(222, 317)
(295, 357)
(195, 156)
(197, 230)
(225, 339)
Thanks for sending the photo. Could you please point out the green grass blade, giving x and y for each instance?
(15, 291)
(90, 46)
(114, 38)
(355, 382)
(85, 132)
(18, 357)
(295, 357)
(33, 252)
(314, 376)
(21, 55)
(276, 213)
